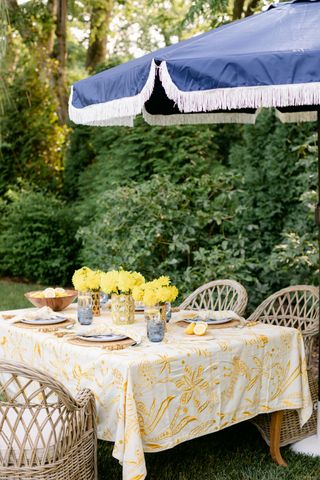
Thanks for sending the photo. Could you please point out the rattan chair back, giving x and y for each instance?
(297, 307)
(45, 433)
(218, 295)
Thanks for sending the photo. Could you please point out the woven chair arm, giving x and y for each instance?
(310, 331)
(45, 380)
(86, 401)
(84, 397)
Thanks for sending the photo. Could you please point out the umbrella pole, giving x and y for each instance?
(311, 445)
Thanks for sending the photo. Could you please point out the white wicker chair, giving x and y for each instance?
(45, 433)
(297, 307)
(218, 295)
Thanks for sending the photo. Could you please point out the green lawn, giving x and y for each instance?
(237, 453)
(12, 294)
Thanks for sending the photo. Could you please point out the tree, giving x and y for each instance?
(61, 56)
(221, 11)
(99, 28)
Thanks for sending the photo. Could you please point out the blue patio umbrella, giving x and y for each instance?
(267, 60)
(271, 59)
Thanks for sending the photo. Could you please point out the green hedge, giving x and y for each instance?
(37, 238)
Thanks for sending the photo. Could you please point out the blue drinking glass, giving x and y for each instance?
(156, 326)
(85, 315)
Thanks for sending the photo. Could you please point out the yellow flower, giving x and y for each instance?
(138, 279)
(86, 279)
(79, 279)
(150, 297)
(156, 291)
(109, 281)
(167, 294)
(137, 293)
(93, 279)
(163, 281)
(126, 281)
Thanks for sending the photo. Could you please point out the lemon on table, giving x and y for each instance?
(200, 329)
(190, 329)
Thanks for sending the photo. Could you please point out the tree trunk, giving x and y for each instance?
(237, 9)
(61, 57)
(52, 7)
(251, 7)
(99, 28)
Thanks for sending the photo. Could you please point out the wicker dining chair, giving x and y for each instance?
(218, 295)
(45, 433)
(298, 307)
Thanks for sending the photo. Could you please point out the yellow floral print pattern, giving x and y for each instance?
(152, 397)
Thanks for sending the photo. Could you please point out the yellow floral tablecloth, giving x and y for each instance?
(150, 397)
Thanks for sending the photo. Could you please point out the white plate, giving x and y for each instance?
(102, 338)
(209, 322)
(40, 321)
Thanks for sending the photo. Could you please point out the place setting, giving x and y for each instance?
(213, 319)
(42, 319)
(103, 336)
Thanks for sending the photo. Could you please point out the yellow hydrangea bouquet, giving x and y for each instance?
(120, 284)
(87, 280)
(157, 292)
(155, 296)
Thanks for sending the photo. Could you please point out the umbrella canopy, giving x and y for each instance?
(271, 59)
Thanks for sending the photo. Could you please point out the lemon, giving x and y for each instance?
(60, 291)
(200, 329)
(49, 293)
(190, 329)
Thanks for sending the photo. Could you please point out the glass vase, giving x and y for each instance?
(156, 323)
(84, 313)
(122, 309)
(96, 303)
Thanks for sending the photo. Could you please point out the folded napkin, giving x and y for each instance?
(106, 330)
(44, 313)
(206, 315)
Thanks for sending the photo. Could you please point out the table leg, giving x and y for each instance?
(276, 421)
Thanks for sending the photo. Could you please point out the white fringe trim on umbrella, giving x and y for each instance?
(296, 117)
(240, 97)
(199, 118)
(115, 112)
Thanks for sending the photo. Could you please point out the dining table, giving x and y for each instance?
(153, 396)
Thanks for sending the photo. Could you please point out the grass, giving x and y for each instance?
(12, 294)
(236, 453)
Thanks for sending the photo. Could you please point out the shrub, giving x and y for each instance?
(37, 238)
(156, 227)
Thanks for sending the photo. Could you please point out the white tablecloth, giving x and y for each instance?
(152, 397)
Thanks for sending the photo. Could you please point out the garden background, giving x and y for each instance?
(193, 202)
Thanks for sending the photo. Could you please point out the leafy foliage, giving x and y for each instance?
(121, 155)
(248, 217)
(31, 143)
(37, 237)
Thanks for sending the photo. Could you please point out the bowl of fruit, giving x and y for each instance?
(56, 298)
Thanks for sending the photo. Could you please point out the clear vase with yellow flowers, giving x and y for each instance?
(155, 295)
(87, 280)
(120, 284)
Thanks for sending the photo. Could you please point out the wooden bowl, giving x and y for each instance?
(57, 303)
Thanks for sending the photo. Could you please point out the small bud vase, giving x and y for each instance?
(95, 303)
(122, 309)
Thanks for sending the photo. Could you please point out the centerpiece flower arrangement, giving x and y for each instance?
(120, 284)
(87, 280)
(156, 294)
